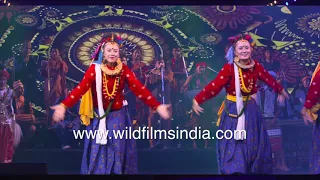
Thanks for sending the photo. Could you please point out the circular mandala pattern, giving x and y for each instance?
(211, 39)
(289, 68)
(79, 40)
(85, 46)
(27, 20)
(202, 53)
(226, 16)
(17, 49)
(310, 24)
(177, 16)
(306, 53)
(51, 13)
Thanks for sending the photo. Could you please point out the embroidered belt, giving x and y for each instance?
(233, 99)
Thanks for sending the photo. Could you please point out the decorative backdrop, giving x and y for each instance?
(292, 34)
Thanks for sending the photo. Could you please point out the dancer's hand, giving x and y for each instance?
(59, 112)
(196, 108)
(164, 111)
(18, 88)
(306, 117)
(283, 96)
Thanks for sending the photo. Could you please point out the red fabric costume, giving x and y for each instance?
(6, 133)
(313, 93)
(177, 65)
(6, 145)
(127, 76)
(226, 79)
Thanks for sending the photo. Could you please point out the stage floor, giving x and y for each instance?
(169, 161)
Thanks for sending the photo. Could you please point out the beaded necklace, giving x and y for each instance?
(243, 88)
(115, 71)
(114, 89)
(242, 84)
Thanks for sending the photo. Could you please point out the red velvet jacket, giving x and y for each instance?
(225, 79)
(126, 77)
(313, 96)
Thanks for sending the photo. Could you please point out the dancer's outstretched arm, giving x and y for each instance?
(213, 88)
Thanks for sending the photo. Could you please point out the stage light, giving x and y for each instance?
(295, 0)
(287, 4)
(8, 4)
(275, 2)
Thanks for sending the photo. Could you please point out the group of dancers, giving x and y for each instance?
(101, 108)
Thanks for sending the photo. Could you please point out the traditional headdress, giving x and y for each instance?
(5, 73)
(233, 41)
(201, 64)
(98, 54)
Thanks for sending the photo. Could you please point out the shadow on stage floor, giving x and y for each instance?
(156, 161)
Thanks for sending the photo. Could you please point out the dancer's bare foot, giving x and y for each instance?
(284, 167)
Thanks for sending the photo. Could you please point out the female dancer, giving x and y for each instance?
(102, 109)
(10, 130)
(310, 112)
(249, 150)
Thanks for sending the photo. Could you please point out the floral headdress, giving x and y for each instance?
(201, 64)
(98, 54)
(5, 73)
(233, 41)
